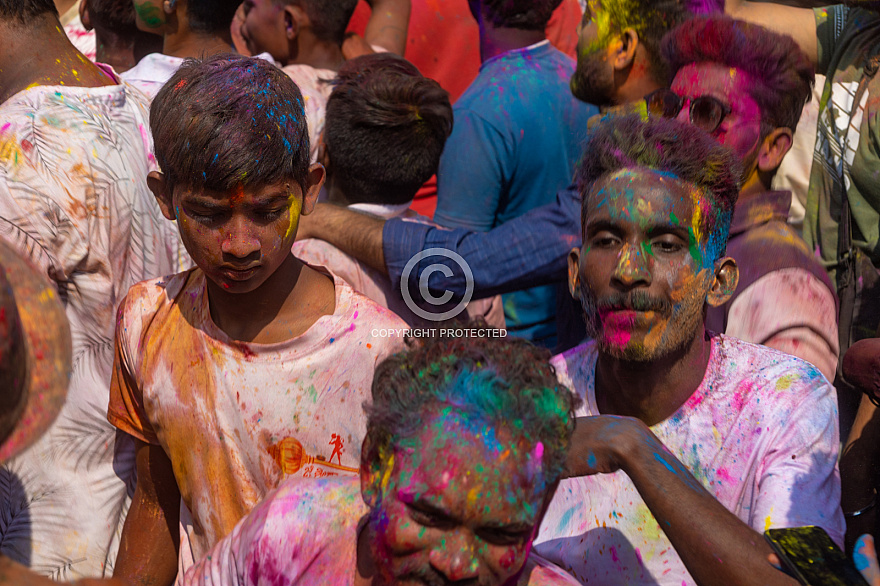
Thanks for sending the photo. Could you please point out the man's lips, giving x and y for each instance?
(235, 274)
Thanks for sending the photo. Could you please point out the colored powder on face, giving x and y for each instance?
(293, 214)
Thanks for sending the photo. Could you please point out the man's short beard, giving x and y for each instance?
(591, 83)
(640, 352)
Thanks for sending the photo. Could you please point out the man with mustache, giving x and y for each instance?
(689, 444)
(466, 441)
(743, 84)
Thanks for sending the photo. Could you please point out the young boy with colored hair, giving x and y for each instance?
(252, 366)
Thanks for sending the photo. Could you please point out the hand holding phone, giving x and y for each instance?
(809, 555)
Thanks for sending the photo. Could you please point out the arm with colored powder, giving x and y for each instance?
(799, 23)
(720, 549)
(859, 463)
(150, 540)
(525, 252)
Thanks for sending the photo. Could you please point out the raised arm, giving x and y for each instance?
(150, 540)
(528, 251)
(719, 549)
(388, 24)
(796, 20)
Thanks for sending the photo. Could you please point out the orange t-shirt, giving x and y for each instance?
(236, 418)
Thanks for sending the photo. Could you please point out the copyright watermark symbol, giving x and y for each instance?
(425, 293)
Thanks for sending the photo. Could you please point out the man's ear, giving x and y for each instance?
(725, 282)
(574, 272)
(294, 18)
(624, 48)
(773, 149)
(169, 6)
(158, 184)
(317, 175)
(323, 153)
(84, 15)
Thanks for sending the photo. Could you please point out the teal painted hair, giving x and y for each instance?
(507, 383)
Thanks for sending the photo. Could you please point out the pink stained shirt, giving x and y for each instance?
(760, 433)
(306, 533)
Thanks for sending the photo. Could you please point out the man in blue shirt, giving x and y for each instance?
(517, 137)
(619, 63)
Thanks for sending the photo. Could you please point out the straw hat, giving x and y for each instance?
(35, 353)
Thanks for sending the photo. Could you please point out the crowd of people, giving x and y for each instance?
(498, 292)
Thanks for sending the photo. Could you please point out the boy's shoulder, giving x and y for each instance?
(147, 300)
(363, 309)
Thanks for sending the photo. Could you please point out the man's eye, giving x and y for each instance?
(500, 537)
(428, 519)
(605, 241)
(667, 246)
(271, 215)
(204, 218)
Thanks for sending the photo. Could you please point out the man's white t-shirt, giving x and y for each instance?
(760, 433)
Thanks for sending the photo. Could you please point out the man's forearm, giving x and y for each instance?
(357, 235)
(714, 544)
(388, 24)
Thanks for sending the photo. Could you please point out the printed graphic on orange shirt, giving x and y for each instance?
(291, 457)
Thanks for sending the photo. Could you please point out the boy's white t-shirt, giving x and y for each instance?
(236, 418)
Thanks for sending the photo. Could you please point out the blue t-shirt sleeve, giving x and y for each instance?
(474, 171)
(528, 251)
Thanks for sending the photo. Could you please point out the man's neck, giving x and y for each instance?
(186, 43)
(40, 54)
(287, 304)
(335, 195)
(495, 41)
(316, 53)
(124, 51)
(754, 186)
(651, 391)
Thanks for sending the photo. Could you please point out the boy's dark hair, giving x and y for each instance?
(651, 19)
(329, 17)
(668, 146)
(385, 129)
(532, 15)
(23, 11)
(116, 16)
(781, 73)
(504, 382)
(211, 16)
(229, 121)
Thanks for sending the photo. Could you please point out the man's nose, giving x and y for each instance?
(456, 557)
(239, 239)
(632, 267)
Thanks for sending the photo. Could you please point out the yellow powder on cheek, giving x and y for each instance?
(293, 215)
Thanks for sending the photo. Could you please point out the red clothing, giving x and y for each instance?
(443, 41)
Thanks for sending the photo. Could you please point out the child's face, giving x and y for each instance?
(264, 29)
(239, 238)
